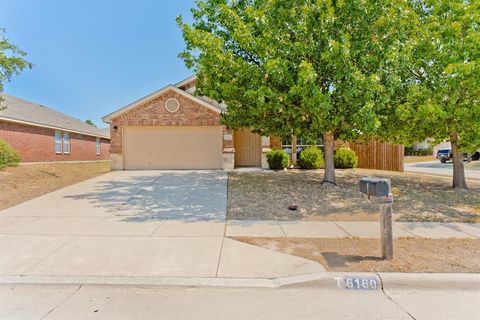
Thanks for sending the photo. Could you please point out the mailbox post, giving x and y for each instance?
(380, 191)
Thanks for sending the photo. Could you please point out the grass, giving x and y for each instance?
(353, 254)
(412, 159)
(267, 195)
(28, 181)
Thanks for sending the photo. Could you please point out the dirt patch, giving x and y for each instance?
(28, 181)
(267, 195)
(410, 255)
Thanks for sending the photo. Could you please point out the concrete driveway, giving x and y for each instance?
(134, 224)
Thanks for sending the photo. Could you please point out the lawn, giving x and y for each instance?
(28, 181)
(353, 254)
(267, 195)
(413, 159)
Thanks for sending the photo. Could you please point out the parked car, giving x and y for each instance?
(476, 156)
(445, 155)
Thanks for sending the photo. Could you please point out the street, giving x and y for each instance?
(439, 169)
(307, 301)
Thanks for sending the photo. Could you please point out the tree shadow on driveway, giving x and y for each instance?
(174, 195)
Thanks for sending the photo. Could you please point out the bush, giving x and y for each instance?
(8, 156)
(311, 158)
(345, 158)
(411, 151)
(278, 159)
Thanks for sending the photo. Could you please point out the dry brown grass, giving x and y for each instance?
(28, 181)
(410, 255)
(412, 159)
(267, 195)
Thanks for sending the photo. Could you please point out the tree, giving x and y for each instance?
(311, 68)
(90, 122)
(11, 60)
(443, 97)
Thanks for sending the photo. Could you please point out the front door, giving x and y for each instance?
(248, 149)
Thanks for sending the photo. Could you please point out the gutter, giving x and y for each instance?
(28, 123)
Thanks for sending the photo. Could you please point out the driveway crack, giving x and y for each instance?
(61, 302)
(47, 256)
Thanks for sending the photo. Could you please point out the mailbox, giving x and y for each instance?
(375, 187)
(380, 191)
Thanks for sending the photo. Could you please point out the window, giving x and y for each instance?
(302, 143)
(62, 142)
(58, 141)
(98, 146)
(66, 142)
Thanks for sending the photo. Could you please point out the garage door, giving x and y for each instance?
(169, 147)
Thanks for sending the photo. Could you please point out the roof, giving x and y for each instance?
(191, 91)
(208, 103)
(30, 113)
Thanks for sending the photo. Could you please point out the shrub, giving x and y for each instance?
(8, 156)
(278, 159)
(411, 151)
(311, 158)
(345, 158)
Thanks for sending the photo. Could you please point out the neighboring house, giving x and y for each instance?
(427, 144)
(173, 129)
(41, 134)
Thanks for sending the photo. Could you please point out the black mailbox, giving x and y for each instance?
(375, 187)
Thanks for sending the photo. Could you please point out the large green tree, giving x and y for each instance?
(310, 68)
(11, 60)
(442, 99)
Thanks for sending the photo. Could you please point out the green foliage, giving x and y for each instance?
(278, 159)
(345, 158)
(442, 90)
(410, 151)
(90, 122)
(8, 155)
(311, 158)
(299, 67)
(11, 60)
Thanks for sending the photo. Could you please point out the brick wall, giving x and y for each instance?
(153, 113)
(36, 144)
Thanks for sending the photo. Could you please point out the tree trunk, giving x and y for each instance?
(329, 176)
(459, 181)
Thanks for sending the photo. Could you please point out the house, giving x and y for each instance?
(174, 129)
(41, 134)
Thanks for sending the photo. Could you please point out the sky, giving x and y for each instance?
(93, 57)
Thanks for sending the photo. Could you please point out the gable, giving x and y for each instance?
(154, 112)
(156, 95)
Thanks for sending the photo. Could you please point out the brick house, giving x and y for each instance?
(174, 129)
(41, 134)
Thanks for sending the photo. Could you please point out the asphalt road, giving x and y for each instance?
(439, 169)
(299, 302)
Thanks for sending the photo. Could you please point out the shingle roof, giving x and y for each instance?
(36, 114)
(219, 105)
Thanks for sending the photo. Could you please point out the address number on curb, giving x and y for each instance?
(357, 283)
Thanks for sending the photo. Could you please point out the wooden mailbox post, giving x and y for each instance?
(380, 191)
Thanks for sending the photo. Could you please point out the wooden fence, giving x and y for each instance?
(371, 155)
(379, 155)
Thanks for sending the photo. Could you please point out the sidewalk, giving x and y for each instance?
(342, 229)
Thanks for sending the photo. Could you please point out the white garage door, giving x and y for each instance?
(172, 147)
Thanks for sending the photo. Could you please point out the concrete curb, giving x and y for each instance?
(326, 280)
(431, 281)
(169, 281)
